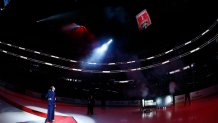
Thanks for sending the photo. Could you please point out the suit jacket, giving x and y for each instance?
(50, 97)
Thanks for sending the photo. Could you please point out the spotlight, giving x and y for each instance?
(99, 52)
(164, 101)
(168, 100)
(110, 41)
(159, 102)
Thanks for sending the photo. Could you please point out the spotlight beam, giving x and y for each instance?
(98, 53)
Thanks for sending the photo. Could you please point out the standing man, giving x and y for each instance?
(91, 103)
(51, 104)
(187, 94)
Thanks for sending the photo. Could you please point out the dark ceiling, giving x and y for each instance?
(38, 24)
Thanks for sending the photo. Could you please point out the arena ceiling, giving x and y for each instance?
(41, 25)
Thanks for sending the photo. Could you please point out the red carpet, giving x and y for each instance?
(58, 119)
(64, 119)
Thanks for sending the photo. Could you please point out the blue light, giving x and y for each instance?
(168, 100)
(102, 49)
(110, 41)
(159, 101)
(99, 53)
(164, 101)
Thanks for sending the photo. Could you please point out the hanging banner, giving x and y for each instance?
(143, 20)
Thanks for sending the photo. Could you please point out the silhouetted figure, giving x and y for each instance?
(91, 103)
(51, 104)
(187, 94)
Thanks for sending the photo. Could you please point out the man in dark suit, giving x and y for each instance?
(51, 104)
(187, 94)
(91, 103)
